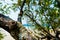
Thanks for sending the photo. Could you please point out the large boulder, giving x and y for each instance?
(6, 35)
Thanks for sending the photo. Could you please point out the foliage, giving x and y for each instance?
(43, 12)
(1, 36)
(7, 6)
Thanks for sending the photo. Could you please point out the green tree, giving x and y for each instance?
(43, 14)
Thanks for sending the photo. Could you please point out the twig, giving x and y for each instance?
(21, 12)
(40, 25)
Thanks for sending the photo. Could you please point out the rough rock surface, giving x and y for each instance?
(6, 35)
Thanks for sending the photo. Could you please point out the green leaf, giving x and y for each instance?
(28, 1)
(4, 6)
(19, 2)
(34, 2)
(0, 3)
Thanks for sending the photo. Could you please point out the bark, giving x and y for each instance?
(21, 12)
(10, 26)
(40, 25)
(20, 15)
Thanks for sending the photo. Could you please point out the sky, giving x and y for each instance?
(13, 14)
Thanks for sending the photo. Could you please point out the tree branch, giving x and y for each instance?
(21, 12)
(40, 25)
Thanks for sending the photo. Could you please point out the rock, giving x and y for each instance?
(6, 35)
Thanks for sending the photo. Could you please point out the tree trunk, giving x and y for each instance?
(21, 14)
(10, 26)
